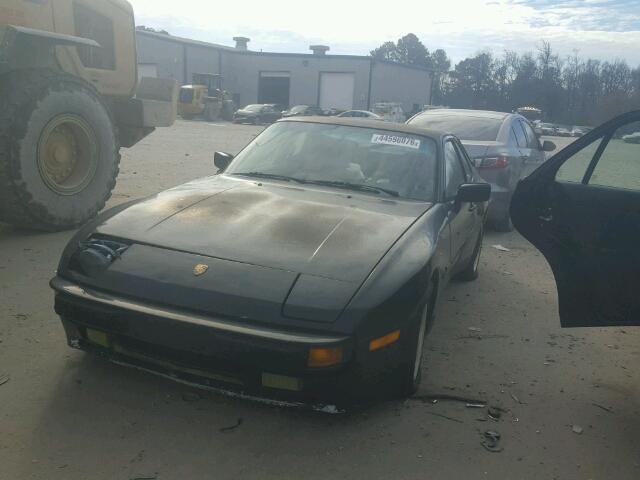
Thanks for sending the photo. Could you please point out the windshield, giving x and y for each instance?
(186, 95)
(298, 109)
(311, 152)
(464, 127)
(253, 108)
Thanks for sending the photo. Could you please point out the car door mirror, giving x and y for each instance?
(548, 146)
(222, 160)
(474, 192)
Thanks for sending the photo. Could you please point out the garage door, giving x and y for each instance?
(147, 70)
(273, 87)
(336, 90)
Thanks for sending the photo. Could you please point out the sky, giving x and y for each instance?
(603, 29)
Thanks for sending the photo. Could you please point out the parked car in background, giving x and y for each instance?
(308, 269)
(581, 209)
(390, 111)
(360, 114)
(257, 113)
(564, 131)
(503, 147)
(302, 111)
(547, 129)
(632, 138)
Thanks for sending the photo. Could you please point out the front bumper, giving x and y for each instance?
(216, 353)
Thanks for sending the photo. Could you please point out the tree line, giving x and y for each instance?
(570, 90)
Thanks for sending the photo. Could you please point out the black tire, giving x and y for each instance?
(471, 271)
(411, 370)
(210, 113)
(38, 106)
(187, 116)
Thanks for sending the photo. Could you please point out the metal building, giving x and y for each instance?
(330, 81)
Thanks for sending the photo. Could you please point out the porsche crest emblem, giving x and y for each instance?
(199, 269)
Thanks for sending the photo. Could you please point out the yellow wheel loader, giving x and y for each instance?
(69, 100)
(205, 98)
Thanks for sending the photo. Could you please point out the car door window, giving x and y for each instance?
(574, 169)
(532, 139)
(465, 162)
(521, 138)
(454, 173)
(618, 162)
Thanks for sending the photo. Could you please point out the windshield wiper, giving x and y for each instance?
(354, 186)
(273, 176)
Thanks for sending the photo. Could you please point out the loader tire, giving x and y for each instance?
(59, 154)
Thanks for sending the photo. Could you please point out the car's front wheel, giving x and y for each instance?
(470, 271)
(411, 370)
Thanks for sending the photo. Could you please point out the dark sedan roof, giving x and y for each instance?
(368, 123)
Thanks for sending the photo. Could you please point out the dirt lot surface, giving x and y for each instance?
(570, 398)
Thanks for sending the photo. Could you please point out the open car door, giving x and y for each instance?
(581, 209)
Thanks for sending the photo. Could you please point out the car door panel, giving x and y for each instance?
(461, 218)
(589, 233)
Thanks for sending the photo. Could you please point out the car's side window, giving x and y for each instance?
(619, 164)
(453, 173)
(617, 167)
(532, 139)
(574, 168)
(464, 161)
(521, 139)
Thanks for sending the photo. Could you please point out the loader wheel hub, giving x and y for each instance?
(67, 154)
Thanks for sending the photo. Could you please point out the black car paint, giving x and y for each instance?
(267, 114)
(379, 266)
(588, 234)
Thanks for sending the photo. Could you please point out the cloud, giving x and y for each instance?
(602, 29)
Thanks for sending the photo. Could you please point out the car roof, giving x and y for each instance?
(368, 123)
(467, 113)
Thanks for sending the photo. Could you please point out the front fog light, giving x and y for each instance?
(325, 357)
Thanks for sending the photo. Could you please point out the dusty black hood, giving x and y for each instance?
(313, 231)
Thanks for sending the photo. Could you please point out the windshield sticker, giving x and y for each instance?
(395, 140)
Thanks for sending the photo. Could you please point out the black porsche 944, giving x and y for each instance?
(308, 268)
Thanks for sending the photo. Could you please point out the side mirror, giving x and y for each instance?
(222, 160)
(474, 192)
(548, 146)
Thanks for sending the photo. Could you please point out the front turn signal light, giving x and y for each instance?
(381, 342)
(325, 357)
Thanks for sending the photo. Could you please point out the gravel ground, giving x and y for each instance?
(569, 398)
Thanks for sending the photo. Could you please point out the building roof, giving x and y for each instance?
(198, 43)
(368, 123)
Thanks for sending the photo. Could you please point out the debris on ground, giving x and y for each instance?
(516, 399)
(479, 336)
(577, 429)
(476, 405)
(446, 396)
(232, 427)
(501, 248)
(491, 441)
(191, 396)
(4, 379)
(606, 409)
(444, 416)
(474, 329)
(494, 413)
